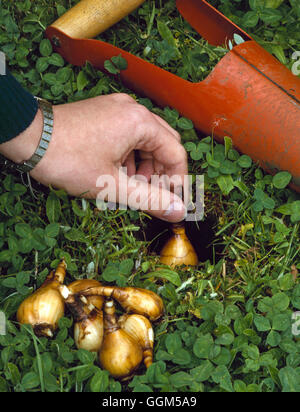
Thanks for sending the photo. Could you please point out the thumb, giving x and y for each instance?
(136, 193)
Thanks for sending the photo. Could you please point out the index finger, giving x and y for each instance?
(164, 146)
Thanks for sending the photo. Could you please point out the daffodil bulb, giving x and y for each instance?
(140, 328)
(133, 300)
(88, 329)
(120, 353)
(178, 250)
(45, 306)
(81, 285)
(88, 321)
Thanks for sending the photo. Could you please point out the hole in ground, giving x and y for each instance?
(201, 235)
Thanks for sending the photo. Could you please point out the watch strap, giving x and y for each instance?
(39, 153)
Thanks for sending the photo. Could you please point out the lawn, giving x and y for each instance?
(231, 324)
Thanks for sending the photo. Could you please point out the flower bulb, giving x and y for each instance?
(120, 353)
(178, 250)
(81, 285)
(133, 300)
(140, 328)
(45, 306)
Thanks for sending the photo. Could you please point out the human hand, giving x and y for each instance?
(97, 137)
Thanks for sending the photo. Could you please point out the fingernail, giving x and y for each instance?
(176, 209)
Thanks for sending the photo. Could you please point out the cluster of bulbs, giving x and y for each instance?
(122, 343)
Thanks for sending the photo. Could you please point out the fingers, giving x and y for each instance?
(134, 192)
(150, 133)
(130, 164)
(161, 150)
(146, 168)
(165, 147)
(156, 137)
(144, 196)
(101, 136)
(170, 156)
(168, 127)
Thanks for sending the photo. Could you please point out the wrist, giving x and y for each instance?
(21, 147)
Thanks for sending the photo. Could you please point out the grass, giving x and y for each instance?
(230, 323)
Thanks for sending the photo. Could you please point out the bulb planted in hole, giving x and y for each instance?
(178, 250)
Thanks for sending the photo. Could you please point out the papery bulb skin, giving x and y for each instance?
(120, 353)
(60, 271)
(45, 306)
(141, 301)
(140, 328)
(88, 320)
(133, 300)
(178, 251)
(81, 285)
(88, 332)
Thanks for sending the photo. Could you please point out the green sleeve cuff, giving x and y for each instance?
(18, 108)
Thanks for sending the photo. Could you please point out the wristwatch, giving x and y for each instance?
(37, 156)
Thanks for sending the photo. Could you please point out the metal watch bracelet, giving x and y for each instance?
(29, 164)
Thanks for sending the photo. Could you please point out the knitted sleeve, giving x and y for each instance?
(17, 107)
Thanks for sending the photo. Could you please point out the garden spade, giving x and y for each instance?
(249, 96)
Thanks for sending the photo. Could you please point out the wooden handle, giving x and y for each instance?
(91, 17)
